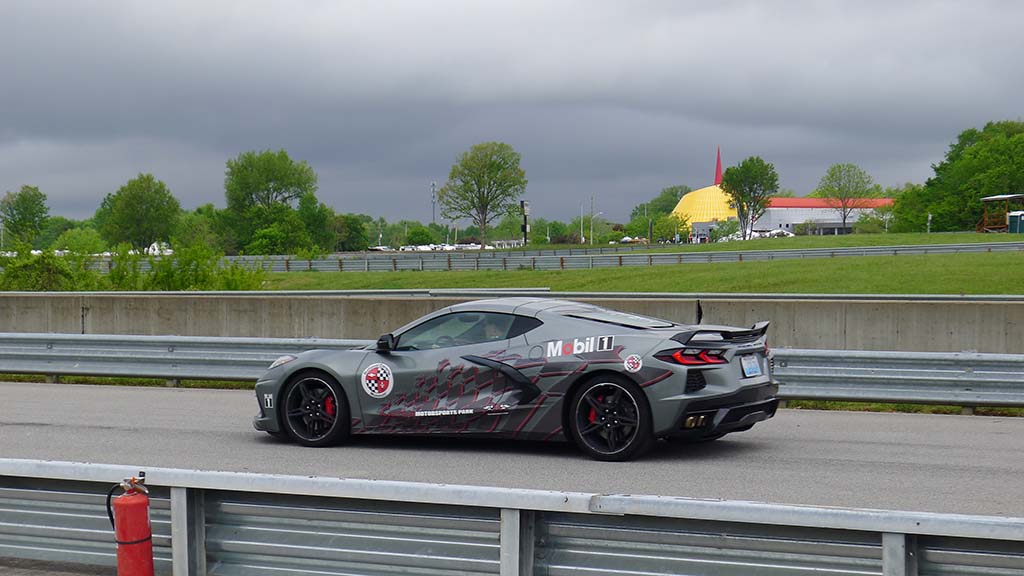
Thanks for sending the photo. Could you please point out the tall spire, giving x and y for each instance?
(718, 168)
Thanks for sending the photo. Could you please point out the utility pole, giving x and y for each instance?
(591, 219)
(433, 202)
(525, 207)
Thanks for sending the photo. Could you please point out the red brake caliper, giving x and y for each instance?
(329, 405)
(592, 417)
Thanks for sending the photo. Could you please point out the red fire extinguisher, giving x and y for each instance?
(129, 517)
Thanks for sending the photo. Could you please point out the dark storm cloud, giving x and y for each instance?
(607, 99)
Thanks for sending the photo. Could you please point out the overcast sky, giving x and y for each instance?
(614, 100)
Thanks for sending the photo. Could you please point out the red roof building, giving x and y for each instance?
(868, 203)
(787, 213)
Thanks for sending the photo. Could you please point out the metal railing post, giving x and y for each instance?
(516, 537)
(899, 555)
(188, 532)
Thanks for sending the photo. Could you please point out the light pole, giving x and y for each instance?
(592, 216)
(583, 239)
(433, 202)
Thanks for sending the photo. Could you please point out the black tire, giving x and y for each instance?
(610, 420)
(315, 411)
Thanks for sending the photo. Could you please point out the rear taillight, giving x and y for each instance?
(692, 356)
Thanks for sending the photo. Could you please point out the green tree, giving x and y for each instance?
(420, 236)
(45, 272)
(846, 187)
(278, 230)
(23, 212)
(350, 230)
(661, 204)
(750, 186)
(84, 241)
(484, 184)
(980, 163)
(201, 225)
(667, 226)
(266, 178)
(141, 212)
(53, 227)
(723, 229)
(317, 218)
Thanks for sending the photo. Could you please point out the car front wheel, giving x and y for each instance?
(609, 419)
(316, 412)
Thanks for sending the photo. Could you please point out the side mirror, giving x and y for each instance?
(385, 344)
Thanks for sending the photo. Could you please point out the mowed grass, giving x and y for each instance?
(807, 242)
(981, 273)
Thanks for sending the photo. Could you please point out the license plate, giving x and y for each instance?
(751, 365)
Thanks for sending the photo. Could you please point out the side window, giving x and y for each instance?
(458, 329)
(522, 324)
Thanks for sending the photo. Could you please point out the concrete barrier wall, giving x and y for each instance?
(994, 327)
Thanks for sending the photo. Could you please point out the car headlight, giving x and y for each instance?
(282, 361)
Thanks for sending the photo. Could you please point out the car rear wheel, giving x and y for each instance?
(609, 419)
(316, 412)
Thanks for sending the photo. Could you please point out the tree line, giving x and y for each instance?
(271, 205)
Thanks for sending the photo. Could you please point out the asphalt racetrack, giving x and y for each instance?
(959, 464)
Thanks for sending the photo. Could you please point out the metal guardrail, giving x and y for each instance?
(223, 523)
(958, 378)
(962, 379)
(577, 259)
(544, 292)
(498, 261)
(170, 357)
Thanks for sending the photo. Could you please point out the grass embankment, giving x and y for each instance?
(980, 273)
(807, 242)
(107, 381)
(902, 408)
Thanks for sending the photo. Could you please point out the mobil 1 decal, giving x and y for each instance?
(556, 348)
(377, 380)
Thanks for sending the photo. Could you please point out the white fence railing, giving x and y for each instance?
(223, 523)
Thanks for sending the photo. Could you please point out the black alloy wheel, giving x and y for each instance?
(609, 419)
(316, 412)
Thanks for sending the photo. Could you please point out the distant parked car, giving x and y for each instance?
(529, 368)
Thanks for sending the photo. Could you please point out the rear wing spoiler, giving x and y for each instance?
(756, 332)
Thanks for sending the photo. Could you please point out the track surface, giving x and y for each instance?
(960, 464)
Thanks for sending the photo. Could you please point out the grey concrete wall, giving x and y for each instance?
(996, 327)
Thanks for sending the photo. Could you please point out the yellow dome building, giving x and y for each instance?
(704, 205)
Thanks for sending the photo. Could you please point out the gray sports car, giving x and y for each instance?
(531, 368)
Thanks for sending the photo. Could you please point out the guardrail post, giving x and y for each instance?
(517, 535)
(340, 268)
(561, 263)
(287, 265)
(394, 264)
(188, 532)
(899, 555)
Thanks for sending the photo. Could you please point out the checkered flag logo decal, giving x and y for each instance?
(378, 380)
